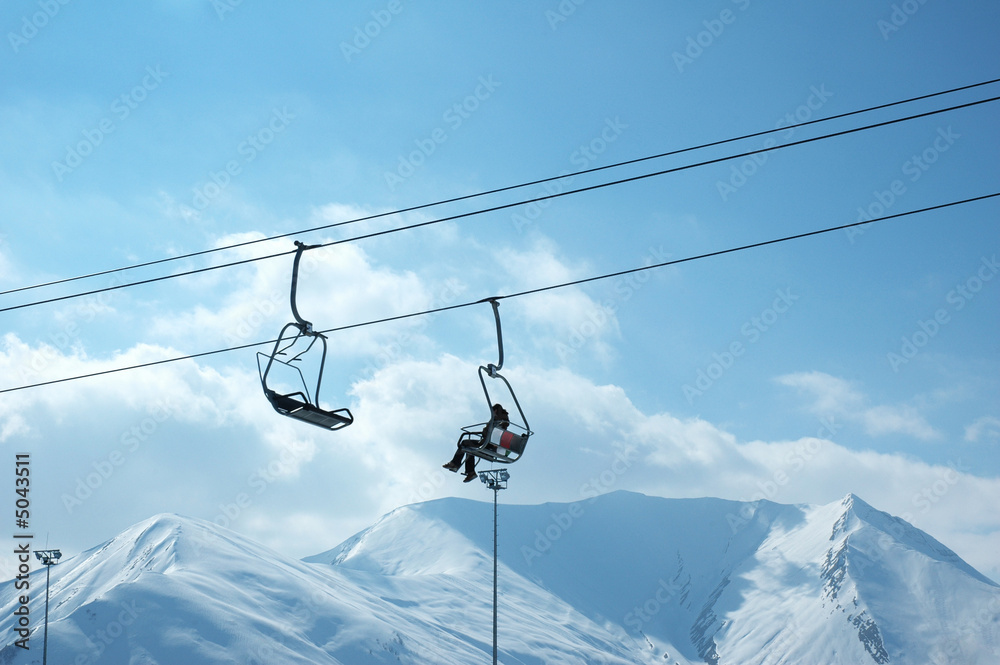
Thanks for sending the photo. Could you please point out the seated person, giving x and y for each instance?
(501, 419)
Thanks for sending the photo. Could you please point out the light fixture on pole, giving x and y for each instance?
(496, 480)
(48, 558)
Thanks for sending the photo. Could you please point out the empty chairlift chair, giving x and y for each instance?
(297, 342)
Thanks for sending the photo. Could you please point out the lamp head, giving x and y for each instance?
(48, 557)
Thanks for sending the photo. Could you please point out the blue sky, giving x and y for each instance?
(860, 361)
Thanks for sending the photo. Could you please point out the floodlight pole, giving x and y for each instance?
(496, 480)
(48, 558)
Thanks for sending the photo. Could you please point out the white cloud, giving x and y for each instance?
(197, 437)
(172, 209)
(337, 286)
(344, 284)
(5, 268)
(835, 397)
(189, 438)
(346, 214)
(565, 321)
(11, 424)
(986, 428)
(831, 394)
(591, 438)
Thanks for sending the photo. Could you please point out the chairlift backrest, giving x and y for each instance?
(507, 442)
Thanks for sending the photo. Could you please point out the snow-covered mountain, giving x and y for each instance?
(622, 578)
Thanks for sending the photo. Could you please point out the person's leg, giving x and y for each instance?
(455, 462)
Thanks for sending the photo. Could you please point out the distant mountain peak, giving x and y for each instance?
(891, 530)
(857, 506)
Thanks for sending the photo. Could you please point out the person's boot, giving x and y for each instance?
(456, 461)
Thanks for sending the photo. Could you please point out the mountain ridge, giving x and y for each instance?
(619, 578)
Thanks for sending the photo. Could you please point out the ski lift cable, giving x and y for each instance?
(664, 264)
(515, 204)
(507, 188)
(550, 287)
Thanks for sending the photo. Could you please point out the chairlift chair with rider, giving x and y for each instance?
(501, 440)
(300, 404)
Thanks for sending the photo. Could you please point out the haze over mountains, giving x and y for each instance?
(621, 578)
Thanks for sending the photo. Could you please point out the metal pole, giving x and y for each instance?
(496, 490)
(48, 558)
(496, 480)
(45, 639)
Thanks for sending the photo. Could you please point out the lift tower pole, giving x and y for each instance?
(48, 558)
(496, 480)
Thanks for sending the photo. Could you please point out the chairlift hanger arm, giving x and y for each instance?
(300, 247)
(493, 369)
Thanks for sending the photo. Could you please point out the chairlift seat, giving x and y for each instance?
(296, 406)
(500, 445)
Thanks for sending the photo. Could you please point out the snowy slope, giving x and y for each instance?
(177, 591)
(173, 590)
(848, 579)
(707, 580)
(623, 578)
